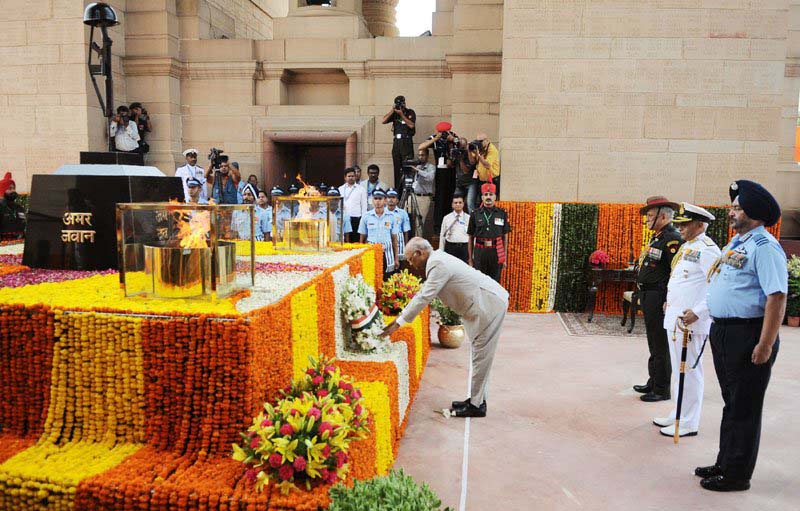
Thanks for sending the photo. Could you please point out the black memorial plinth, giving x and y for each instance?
(72, 218)
(110, 158)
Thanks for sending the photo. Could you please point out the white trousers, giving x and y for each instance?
(693, 382)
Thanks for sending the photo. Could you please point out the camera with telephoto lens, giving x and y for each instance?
(214, 157)
(476, 145)
(399, 103)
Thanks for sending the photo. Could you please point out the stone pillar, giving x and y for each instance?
(153, 71)
(380, 17)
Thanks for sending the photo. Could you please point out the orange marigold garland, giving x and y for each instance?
(517, 276)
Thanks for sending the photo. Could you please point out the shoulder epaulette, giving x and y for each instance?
(709, 242)
(673, 242)
(760, 240)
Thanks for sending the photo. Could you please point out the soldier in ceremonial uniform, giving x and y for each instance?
(654, 269)
(488, 229)
(686, 299)
(747, 300)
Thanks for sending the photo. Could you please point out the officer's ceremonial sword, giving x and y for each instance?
(686, 336)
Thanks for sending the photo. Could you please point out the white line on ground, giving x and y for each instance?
(462, 506)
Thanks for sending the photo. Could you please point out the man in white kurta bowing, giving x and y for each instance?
(480, 301)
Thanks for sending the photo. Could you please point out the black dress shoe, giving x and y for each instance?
(709, 471)
(643, 389)
(651, 397)
(470, 411)
(722, 483)
(460, 404)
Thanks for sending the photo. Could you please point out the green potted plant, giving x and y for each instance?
(793, 300)
(451, 332)
(393, 492)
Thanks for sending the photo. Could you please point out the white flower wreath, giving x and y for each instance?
(363, 320)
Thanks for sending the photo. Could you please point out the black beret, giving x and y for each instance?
(756, 201)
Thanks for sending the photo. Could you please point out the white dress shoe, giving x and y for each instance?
(663, 422)
(670, 431)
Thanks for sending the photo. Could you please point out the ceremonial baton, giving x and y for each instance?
(686, 334)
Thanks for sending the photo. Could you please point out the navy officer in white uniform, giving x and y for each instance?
(686, 299)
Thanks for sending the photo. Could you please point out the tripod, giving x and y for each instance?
(408, 202)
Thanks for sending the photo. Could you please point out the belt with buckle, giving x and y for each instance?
(484, 243)
(738, 321)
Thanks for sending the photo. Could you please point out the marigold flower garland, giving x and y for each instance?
(542, 249)
(200, 377)
(517, 276)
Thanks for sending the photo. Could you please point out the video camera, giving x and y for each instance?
(410, 173)
(214, 157)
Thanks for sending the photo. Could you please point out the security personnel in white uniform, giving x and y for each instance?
(192, 170)
(686, 298)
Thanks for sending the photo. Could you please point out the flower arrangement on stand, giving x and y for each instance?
(793, 300)
(305, 437)
(397, 291)
(598, 258)
(363, 317)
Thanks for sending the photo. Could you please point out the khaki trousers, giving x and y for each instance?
(483, 330)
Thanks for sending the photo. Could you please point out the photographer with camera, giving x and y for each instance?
(124, 131)
(443, 142)
(425, 175)
(486, 159)
(464, 172)
(403, 128)
(142, 119)
(223, 179)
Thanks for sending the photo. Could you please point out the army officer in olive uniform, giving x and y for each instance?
(655, 264)
(487, 231)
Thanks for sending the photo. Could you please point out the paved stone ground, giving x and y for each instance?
(565, 431)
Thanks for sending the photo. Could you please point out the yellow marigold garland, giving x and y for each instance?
(376, 397)
(542, 250)
(305, 339)
(90, 436)
(101, 292)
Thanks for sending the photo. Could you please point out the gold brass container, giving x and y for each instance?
(307, 223)
(178, 272)
(306, 234)
(175, 272)
(451, 336)
(153, 263)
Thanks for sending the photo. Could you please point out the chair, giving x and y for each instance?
(630, 301)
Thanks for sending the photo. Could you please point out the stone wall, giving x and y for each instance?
(49, 109)
(228, 19)
(615, 100)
